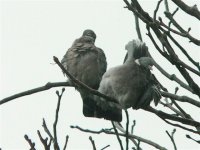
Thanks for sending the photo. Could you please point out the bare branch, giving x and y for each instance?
(44, 125)
(44, 141)
(105, 147)
(124, 135)
(189, 137)
(127, 126)
(32, 144)
(164, 115)
(95, 92)
(117, 135)
(185, 33)
(93, 144)
(166, 5)
(169, 105)
(182, 127)
(181, 98)
(66, 141)
(190, 10)
(132, 127)
(56, 146)
(35, 90)
(186, 54)
(156, 10)
(172, 138)
(119, 127)
(137, 25)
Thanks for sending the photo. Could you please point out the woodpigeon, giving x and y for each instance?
(87, 63)
(130, 84)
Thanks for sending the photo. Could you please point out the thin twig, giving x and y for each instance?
(137, 26)
(32, 144)
(156, 10)
(120, 128)
(172, 138)
(171, 117)
(127, 130)
(185, 53)
(56, 146)
(133, 126)
(105, 147)
(189, 137)
(166, 5)
(35, 90)
(181, 98)
(44, 125)
(44, 141)
(182, 127)
(92, 141)
(185, 33)
(117, 135)
(66, 141)
(121, 134)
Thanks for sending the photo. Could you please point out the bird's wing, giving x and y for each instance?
(102, 61)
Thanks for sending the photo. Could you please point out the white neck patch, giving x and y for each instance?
(137, 62)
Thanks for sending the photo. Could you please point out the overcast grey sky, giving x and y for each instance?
(32, 32)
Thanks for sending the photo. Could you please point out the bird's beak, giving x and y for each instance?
(150, 67)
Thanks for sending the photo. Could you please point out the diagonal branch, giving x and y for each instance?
(164, 115)
(190, 10)
(117, 135)
(95, 92)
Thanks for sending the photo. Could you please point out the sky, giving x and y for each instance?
(32, 32)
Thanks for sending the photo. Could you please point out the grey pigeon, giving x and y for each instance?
(130, 84)
(87, 63)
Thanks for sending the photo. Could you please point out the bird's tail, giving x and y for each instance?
(107, 110)
(151, 93)
(93, 106)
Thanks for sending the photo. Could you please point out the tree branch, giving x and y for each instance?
(35, 90)
(92, 141)
(44, 141)
(190, 10)
(164, 115)
(124, 135)
(172, 138)
(117, 135)
(75, 81)
(32, 144)
(180, 98)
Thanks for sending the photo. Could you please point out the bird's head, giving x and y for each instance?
(89, 33)
(136, 49)
(146, 62)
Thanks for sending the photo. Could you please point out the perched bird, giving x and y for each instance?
(87, 63)
(130, 84)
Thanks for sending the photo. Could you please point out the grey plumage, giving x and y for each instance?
(130, 84)
(87, 63)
